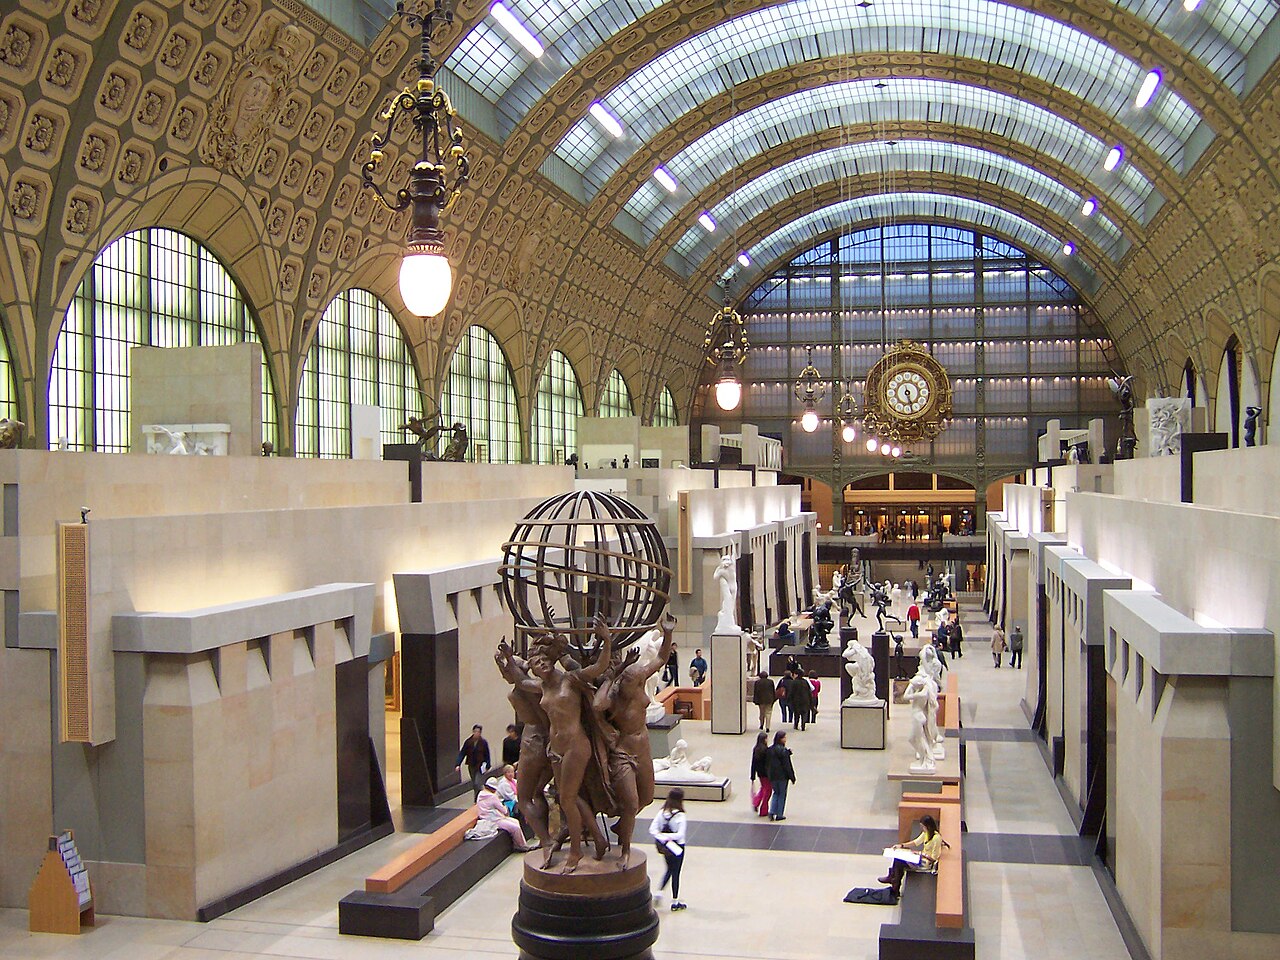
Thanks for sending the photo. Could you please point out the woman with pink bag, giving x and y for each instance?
(760, 796)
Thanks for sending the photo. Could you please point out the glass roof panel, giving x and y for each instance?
(760, 130)
(686, 76)
(912, 206)
(828, 166)
(1218, 34)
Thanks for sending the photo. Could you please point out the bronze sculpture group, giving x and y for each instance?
(428, 435)
(584, 733)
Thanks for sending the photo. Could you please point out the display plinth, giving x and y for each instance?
(825, 663)
(862, 726)
(728, 673)
(663, 734)
(599, 912)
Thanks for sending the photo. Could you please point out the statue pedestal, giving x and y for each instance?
(728, 679)
(663, 734)
(862, 726)
(598, 912)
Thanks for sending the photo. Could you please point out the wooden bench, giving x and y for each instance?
(401, 899)
(916, 805)
(949, 703)
(931, 922)
(700, 697)
(949, 908)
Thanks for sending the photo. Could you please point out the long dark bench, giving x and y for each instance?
(916, 935)
(409, 912)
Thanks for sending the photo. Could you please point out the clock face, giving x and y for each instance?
(908, 393)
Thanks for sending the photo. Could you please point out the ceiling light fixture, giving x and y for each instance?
(1113, 158)
(1190, 5)
(1147, 91)
(664, 177)
(885, 449)
(809, 419)
(1068, 249)
(872, 443)
(426, 279)
(707, 221)
(1090, 207)
(606, 119)
(519, 32)
(744, 259)
(726, 346)
(809, 389)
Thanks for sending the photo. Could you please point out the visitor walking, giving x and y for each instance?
(669, 829)
(997, 645)
(759, 761)
(782, 693)
(475, 754)
(1016, 644)
(800, 699)
(781, 773)
(957, 638)
(815, 688)
(511, 746)
(697, 668)
(671, 672)
(764, 695)
(913, 618)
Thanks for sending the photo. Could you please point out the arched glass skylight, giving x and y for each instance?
(1219, 35)
(858, 102)
(689, 74)
(828, 166)
(800, 233)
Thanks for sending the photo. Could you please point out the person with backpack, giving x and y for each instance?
(782, 692)
(669, 830)
(929, 843)
(1016, 644)
(799, 699)
(781, 774)
(815, 688)
(764, 695)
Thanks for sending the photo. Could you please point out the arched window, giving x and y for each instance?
(1227, 414)
(616, 401)
(556, 411)
(358, 356)
(481, 393)
(665, 415)
(149, 288)
(1189, 381)
(8, 381)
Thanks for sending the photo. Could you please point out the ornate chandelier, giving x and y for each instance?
(809, 390)
(726, 346)
(426, 279)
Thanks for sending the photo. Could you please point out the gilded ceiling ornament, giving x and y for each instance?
(79, 216)
(41, 133)
(15, 48)
(130, 167)
(62, 68)
(25, 202)
(140, 30)
(150, 109)
(115, 91)
(260, 75)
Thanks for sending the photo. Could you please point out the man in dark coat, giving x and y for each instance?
(781, 774)
(800, 700)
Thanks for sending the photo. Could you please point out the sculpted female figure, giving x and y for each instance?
(623, 699)
(570, 748)
(535, 765)
(726, 575)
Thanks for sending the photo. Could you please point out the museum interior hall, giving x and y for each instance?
(462, 461)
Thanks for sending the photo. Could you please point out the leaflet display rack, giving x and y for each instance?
(61, 898)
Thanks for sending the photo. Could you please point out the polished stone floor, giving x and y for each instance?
(756, 890)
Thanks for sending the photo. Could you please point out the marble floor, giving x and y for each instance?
(755, 890)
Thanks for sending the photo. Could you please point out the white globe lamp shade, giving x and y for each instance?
(849, 433)
(728, 393)
(884, 449)
(426, 281)
(872, 444)
(896, 452)
(809, 421)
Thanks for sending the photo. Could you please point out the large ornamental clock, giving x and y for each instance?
(907, 395)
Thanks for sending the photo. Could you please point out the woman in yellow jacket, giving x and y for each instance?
(929, 843)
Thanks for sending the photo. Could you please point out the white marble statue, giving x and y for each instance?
(169, 441)
(918, 694)
(1168, 418)
(931, 667)
(895, 601)
(755, 646)
(648, 645)
(837, 581)
(862, 671)
(676, 768)
(820, 597)
(726, 575)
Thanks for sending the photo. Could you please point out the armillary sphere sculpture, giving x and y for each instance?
(586, 578)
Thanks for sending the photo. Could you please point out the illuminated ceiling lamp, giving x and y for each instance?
(872, 444)
(847, 410)
(726, 347)
(426, 279)
(809, 390)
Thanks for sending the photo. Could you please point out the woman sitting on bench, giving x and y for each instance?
(493, 811)
(929, 843)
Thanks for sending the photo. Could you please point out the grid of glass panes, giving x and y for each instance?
(358, 356)
(149, 288)
(8, 382)
(616, 399)
(665, 415)
(480, 393)
(1041, 358)
(556, 411)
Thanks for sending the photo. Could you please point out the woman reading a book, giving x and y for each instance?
(928, 845)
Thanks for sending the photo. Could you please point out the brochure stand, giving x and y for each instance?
(61, 899)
